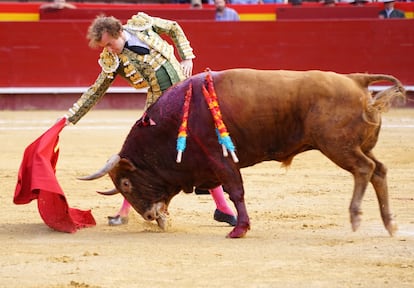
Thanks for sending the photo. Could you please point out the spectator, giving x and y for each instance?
(359, 2)
(57, 4)
(196, 4)
(389, 11)
(224, 13)
(137, 52)
(295, 2)
(273, 2)
(329, 3)
(247, 1)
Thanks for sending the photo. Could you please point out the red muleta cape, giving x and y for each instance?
(37, 180)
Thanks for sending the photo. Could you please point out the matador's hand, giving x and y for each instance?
(187, 66)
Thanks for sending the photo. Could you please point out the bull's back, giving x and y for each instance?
(273, 115)
(284, 91)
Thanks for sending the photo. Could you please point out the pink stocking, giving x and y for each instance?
(221, 203)
(124, 211)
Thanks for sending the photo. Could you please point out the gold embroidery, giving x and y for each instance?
(139, 22)
(108, 61)
(135, 78)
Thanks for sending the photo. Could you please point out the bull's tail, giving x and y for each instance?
(383, 100)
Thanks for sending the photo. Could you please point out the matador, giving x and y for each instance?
(137, 52)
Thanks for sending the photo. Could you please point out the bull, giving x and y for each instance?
(270, 116)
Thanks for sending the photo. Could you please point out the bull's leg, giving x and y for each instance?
(379, 181)
(362, 168)
(243, 222)
(234, 187)
(361, 180)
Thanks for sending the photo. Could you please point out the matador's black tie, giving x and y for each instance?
(137, 49)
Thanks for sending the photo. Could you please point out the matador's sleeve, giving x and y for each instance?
(176, 33)
(90, 97)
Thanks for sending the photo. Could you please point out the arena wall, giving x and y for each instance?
(53, 55)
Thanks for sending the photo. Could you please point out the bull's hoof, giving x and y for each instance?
(162, 221)
(117, 220)
(392, 228)
(356, 220)
(238, 232)
(223, 217)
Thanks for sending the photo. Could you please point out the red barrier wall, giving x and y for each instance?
(55, 53)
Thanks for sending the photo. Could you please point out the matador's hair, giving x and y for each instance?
(102, 24)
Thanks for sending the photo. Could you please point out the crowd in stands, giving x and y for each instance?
(224, 13)
(236, 2)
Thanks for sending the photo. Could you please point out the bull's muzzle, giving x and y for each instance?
(157, 212)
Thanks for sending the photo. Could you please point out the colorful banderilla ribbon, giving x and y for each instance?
(221, 130)
(182, 131)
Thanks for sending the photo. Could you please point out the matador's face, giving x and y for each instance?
(114, 45)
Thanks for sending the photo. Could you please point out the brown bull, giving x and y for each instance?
(270, 115)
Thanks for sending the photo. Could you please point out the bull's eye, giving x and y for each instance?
(125, 185)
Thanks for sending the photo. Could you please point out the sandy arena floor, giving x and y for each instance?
(300, 234)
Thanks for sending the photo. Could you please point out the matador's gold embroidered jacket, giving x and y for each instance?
(138, 70)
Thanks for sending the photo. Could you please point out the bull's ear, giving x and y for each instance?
(125, 164)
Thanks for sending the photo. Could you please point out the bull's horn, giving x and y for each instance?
(111, 192)
(104, 170)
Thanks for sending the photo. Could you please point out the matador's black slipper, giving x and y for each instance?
(223, 217)
(199, 191)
